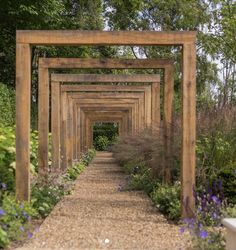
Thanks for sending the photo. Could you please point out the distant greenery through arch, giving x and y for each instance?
(104, 135)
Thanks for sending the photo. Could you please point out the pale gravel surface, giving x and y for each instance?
(99, 216)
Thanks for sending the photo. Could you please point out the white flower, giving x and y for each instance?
(11, 149)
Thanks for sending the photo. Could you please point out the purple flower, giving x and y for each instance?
(22, 205)
(22, 228)
(215, 199)
(30, 235)
(214, 215)
(181, 230)
(203, 234)
(4, 186)
(2, 212)
(24, 214)
(234, 171)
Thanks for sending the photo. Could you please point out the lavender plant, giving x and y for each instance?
(205, 227)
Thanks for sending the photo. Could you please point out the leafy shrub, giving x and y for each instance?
(146, 147)
(87, 158)
(101, 143)
(167, 200)
(229, 211)
(110, 130)
(73, 172)
(217, 161)
(7, 156)
(216, 148)
(142, 181)
(7, 105)
(15, 219)
(45, 196)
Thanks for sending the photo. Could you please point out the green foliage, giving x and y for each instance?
(217, 161)
(7, 105)
(215, 236)
(141, 181)
(101, 143)
(230, 211)
(46, 194)
(14, 219)
(165, 197)
(110, 130)
(73, 172)
(7, 155)
(4, 241)
(87, 158)
(167, 200)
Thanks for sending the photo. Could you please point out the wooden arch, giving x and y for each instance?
(25, 39)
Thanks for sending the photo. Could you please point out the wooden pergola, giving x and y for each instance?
(147, 95)
(26, 39)
(45, 64)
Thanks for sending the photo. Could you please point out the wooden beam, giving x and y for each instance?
(104, 88)
(107, 63)
(77, 37)
(104, 78)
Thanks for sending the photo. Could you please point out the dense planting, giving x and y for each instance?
(216, 174)
(16, 217)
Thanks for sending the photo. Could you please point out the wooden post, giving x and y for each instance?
(63, 131)
(189, 129)
(55, 125)
(168, 122)
(156, 111)
(23, 103)
(43, 120)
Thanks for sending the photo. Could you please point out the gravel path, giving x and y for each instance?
(99, 216)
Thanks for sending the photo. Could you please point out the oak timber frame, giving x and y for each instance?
(67, 130)
(58, 79)
(186, 39)
(152, 96)
(135, 114)
(119, 117)
(81, 63)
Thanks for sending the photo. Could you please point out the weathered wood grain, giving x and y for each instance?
(104, 78)
(189, 129)
(77, 37)
(23, 91)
